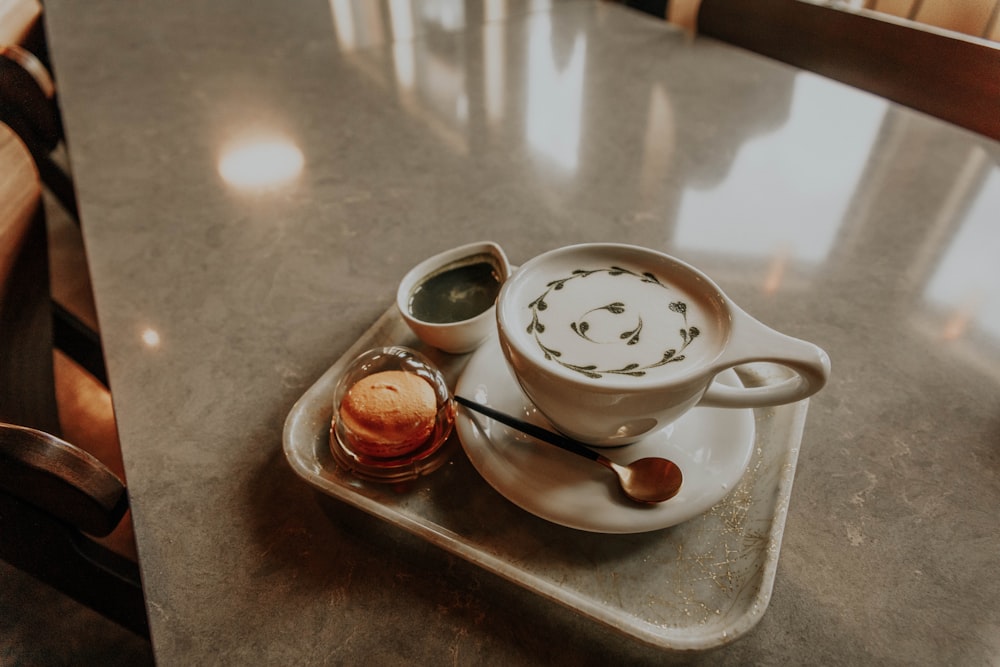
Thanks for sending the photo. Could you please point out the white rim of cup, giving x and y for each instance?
(721, 304)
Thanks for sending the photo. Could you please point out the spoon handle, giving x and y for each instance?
(532, 430)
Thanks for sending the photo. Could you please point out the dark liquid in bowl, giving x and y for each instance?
(456, 294)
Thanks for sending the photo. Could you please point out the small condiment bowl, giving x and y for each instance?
(443, 298)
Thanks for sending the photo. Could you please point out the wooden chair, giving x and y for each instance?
(63, 512)
(28, 106)
(28, 101)
(948, 75)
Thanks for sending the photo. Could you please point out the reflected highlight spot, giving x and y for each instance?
(261, 162)
(494, 10)
(493, 68)
(151, 338)
(768, 201)
(401, 20)
(555, 96)
(343, 23)
(964, 281)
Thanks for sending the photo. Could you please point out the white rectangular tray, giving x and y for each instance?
(698, 585)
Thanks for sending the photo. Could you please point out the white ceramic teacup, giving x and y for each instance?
(612, 342)
(456, 315)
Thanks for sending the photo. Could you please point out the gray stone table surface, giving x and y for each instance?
(256, 176)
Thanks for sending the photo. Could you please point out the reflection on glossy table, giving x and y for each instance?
(255, 177)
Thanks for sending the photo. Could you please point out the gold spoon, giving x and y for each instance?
(649, 480)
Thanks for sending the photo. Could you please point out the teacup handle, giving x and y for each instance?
(752, 341)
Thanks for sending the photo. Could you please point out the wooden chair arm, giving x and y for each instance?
(61, 479)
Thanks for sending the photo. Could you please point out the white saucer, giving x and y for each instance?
(712, 447)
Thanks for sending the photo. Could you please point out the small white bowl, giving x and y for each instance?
(424, 280)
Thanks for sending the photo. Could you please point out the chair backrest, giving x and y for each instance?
(948, 75)
(35, 464)
(27, 385)
(28, 106)
(27, 93)
(51, 492)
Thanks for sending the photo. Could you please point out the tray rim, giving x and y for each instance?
(666, 638)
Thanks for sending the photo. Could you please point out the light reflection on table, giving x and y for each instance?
(813, 164)
(961, 298)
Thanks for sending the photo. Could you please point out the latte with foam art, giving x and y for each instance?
(616, 321)
(612, 342)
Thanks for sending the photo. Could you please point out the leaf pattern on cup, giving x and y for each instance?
(582, 327)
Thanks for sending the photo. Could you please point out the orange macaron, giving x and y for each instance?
(389, 414)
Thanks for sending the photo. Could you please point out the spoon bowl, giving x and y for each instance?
(648, 480)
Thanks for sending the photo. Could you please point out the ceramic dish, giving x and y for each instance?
(694, 586)
(712, 447)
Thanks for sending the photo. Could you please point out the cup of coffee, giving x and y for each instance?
(613, 342)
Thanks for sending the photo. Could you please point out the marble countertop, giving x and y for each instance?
(255, 178)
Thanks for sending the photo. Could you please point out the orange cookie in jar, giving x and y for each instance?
(392, 414)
